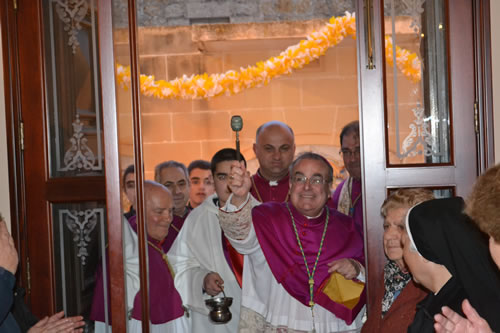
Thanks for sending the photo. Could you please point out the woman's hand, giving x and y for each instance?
(58, 324)
(451, 322)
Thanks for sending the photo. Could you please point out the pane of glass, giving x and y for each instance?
(439, 192)
(417, 105)
(178, 41)
(73, 102)
(123, 96)
(79, 251)
(187, 117)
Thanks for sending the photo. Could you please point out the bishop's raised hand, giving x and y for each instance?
(239, 182)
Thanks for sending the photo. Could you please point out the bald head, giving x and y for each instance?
(274, 147)
(271, 124)
(159, 209)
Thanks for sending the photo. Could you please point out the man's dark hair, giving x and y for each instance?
(130, 169)
(352, 127)
(313, 156)
(170, 164)
(225, 154)
(198, 164)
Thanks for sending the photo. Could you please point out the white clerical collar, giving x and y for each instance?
(273, 183)
(314, 217)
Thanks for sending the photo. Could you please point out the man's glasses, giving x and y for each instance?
(347, 153)
(313, 181)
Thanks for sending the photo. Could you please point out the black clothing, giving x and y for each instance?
(452, 294)
(443, 234)
(8, 323)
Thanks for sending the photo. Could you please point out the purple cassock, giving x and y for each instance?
(356, 198)
(173, 231)
(165, 301)
(265, 191)
(273, 226)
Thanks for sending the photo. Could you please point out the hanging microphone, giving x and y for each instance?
(237, 125)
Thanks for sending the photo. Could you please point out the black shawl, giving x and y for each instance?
(444, 235)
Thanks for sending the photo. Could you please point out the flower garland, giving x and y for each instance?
(408, 63)
(294, 57)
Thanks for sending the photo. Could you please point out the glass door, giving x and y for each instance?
(417, 108)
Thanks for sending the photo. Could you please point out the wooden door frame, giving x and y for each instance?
(25, 92)
(378, 176)
(13, 79)
(8, 27)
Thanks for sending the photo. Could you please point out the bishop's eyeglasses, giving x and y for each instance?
(313, 181)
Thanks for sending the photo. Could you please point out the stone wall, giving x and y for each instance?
(316, 101)
(160, 13)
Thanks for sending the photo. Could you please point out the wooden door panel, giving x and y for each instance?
(40, 98)
(381, 170)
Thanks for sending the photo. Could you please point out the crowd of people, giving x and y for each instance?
(289, 249)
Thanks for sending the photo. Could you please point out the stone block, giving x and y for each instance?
(179, 65)
(330, 91)
(236, 60)
(286, 92)
(259, 97)
(125, 130)
(205, 10)
(156, 128)
(156, 105)
(166, 40)
(234, 102)
(311, 121)
(155, 153)
(211, 63)
(245, 9)
(153, 65)
(200, 126)
(347, 59)
(330, 61)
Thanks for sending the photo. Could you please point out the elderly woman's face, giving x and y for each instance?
(394, 227)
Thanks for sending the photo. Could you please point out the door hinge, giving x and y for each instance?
(28, 276)
(21, 135)
(476, 117)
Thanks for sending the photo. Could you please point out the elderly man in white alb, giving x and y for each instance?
(203, 259)
(291, 251)
(166, 312)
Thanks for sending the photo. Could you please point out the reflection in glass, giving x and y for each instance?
(79, 249)
(193, 38)
(73, 88)
(181, 39)
(418, 115)
(439, 192)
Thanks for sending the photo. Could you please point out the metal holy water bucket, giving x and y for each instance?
(219, 309)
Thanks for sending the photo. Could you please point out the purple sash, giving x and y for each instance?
(358, 206)
(277, 239)
(174, 230)
(165, 301)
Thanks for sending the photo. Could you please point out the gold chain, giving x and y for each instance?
(309, 274)
(164, 257)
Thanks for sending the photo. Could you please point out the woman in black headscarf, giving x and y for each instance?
(448, 255)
